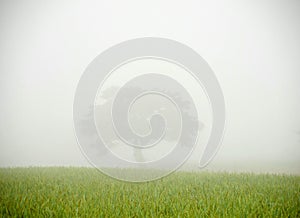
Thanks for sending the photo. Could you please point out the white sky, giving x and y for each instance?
(252, 46)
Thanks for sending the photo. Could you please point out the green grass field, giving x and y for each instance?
(84, 192)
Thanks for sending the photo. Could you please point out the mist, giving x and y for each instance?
(253, 48)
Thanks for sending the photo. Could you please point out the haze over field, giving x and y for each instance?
(253, 48)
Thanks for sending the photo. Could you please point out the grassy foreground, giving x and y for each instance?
(84, 192)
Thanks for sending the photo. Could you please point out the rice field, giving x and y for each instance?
(85, 192)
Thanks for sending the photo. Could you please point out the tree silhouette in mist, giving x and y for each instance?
(103, 108)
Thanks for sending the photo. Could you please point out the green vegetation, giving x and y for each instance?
(84, 192)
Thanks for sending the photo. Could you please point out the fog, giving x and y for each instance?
(252, 46)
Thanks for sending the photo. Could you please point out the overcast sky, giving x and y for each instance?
(252, 46)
